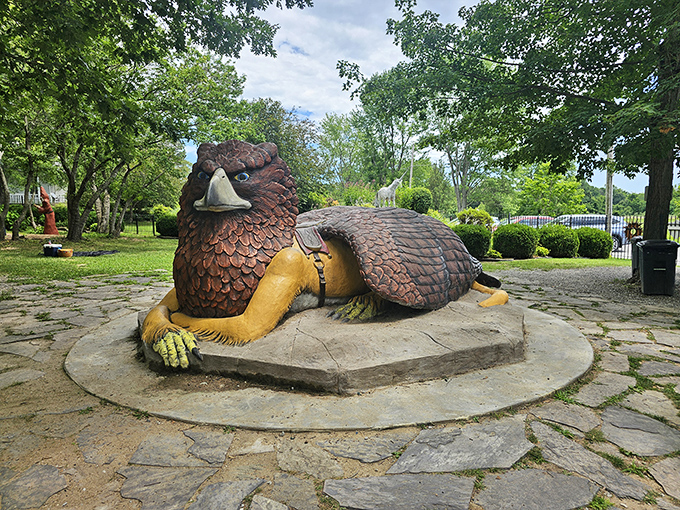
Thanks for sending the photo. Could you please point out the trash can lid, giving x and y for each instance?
(658, 243)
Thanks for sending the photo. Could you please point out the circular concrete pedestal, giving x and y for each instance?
(105, 364)
(310, 350)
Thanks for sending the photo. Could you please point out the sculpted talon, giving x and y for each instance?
(197, 353)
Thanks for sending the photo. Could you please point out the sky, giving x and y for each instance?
(311, 41)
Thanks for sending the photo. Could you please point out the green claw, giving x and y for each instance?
(174, 348)
(363, 307)
(162, 349)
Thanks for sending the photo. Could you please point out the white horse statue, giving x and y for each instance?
(388, 193)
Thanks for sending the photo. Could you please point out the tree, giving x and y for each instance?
(497, 194)
(389, 125)
(27, 156)
(566, 79)
(296, 139)
(4, 199)
(339, 146)
(593, 198)
(155, 177)
(550, 194)
(439, 184)
(180, 99)
(470, 147)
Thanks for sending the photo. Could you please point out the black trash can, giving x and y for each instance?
(635, 254)
(657, 266)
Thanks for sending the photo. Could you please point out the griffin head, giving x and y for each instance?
(237, 210)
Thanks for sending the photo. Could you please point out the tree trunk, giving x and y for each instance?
(29, 183)
(114, 230)
(27, 203)
(659, 194)
(30, 214)
(664, 139)
(4, 200)
(120, 219)
(103, 222)
(97, 206)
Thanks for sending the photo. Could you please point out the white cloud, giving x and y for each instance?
(311, 41)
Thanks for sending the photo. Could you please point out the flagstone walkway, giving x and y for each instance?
(612, 437)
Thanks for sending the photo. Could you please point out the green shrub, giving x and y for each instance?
(421, 200)
(357, 193)
(515, 241)
(472, 216)
(160, 209)
(561, 241)
(493, 254)
(594, 243)
(166, 224)
(541, 251)
(13, 214)
(476, 238)
(60, 214)
(417, 199)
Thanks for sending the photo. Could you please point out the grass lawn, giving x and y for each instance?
(139, 256)
(546, 264)
(151, 256)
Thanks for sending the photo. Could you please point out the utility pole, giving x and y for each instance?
(609, 190)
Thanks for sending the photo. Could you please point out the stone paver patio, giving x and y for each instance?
(612, 436)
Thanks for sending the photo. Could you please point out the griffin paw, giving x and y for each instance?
(363, 307)
(173, 347)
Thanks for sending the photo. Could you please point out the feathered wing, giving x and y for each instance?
(404, 257)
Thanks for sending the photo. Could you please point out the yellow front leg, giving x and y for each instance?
(288, 274)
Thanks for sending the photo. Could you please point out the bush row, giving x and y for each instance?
(521, 241)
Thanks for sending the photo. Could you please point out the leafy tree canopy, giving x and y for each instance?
(550, 194)
(566, 79)
(44, 44)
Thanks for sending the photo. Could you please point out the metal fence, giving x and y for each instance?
(673, 233)
(623, 227)
(141, 227)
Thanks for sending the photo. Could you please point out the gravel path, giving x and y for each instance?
(609, 283)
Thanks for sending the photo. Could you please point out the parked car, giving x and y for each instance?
(598, 221)
(532, 221)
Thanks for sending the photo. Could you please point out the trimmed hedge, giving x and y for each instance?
(561, 241)
(476, 239)
(166, 225)
(417, 199)
(594, 243)
(515, 241)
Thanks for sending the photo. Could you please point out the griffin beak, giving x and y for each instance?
(220, 196)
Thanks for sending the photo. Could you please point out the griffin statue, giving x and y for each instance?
(245, 258)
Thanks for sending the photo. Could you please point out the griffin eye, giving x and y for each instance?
(203, 175)
(242, 177)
